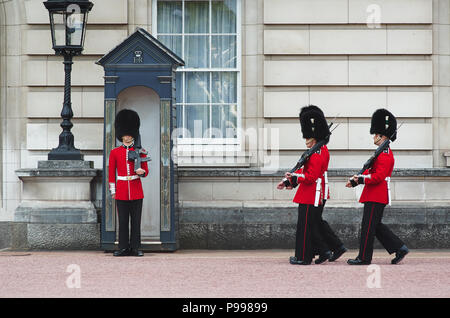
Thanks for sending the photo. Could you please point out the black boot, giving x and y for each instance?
(137, 253)
(323, 257)
(400, 254)
(293, 260)
(357, 261)
(122, 252)
(337, 254)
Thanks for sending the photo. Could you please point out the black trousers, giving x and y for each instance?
(129, 210)
(330, 238)
(308, 235)
(372, 227)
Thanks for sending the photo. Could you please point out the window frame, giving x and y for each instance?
(238, 70)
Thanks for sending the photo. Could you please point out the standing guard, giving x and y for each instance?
(376, 192)
(314, 129)
(126, 189)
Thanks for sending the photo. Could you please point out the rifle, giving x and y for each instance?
(136, 154)
(308, 153)
(369, 163)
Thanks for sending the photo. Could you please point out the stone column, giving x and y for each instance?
(56, 211)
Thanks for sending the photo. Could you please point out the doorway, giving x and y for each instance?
(146, 102)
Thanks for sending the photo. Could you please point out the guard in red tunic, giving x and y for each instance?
(331, 239)
(126, 187)
(376, 194)
(308, 196)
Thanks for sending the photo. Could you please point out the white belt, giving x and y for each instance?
(325, 195)
(388, 179)
(318, 187)
(127, 178)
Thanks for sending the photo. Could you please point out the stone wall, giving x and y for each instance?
(325, 53)
(243, 209)
(275, 227)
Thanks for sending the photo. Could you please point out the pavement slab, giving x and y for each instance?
(219, 274)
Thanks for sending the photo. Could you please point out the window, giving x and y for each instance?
(205, 34)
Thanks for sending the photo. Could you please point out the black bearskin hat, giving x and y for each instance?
(313, 123)
(384, 123)
(127, 124)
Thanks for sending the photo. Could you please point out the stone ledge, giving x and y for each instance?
(334, 215)
(65, 164)
(27, 173)
(254, 172)
(206, 172)
(288, 204)
(60, 168)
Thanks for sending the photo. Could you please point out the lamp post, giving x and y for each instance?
(68, 21)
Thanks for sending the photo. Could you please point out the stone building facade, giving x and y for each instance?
(349, 57)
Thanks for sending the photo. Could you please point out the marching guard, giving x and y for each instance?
(335, 245)
(376, 193)
(309, 195)
(126, 188)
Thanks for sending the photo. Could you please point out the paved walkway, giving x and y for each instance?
(219, 274)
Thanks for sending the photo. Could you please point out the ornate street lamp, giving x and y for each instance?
(68, 21)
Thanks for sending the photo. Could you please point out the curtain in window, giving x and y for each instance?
(197, 87)
(170, 17)
(210, 42)
(223, 21)
(196, 46)
(224, 87)
(224, 120)
(197, 120)
(224, 16)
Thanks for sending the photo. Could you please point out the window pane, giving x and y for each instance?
(197, 87)
(223, 51)
(196, 51)
(179, 87)
(224, 16)
(224, 87)
(170, 14)
(173, 42)
(196, 18)
(75, 24)
(59, 28)
(197, 120)
(180, 118)
(224, 119)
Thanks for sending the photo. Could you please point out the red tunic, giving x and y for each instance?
(307, 177)
(326, 160)
(375, 184)
(125, 189)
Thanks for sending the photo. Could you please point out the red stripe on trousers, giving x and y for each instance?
(368, 230)
(304, 235)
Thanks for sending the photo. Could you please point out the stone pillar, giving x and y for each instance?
(57, 206)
